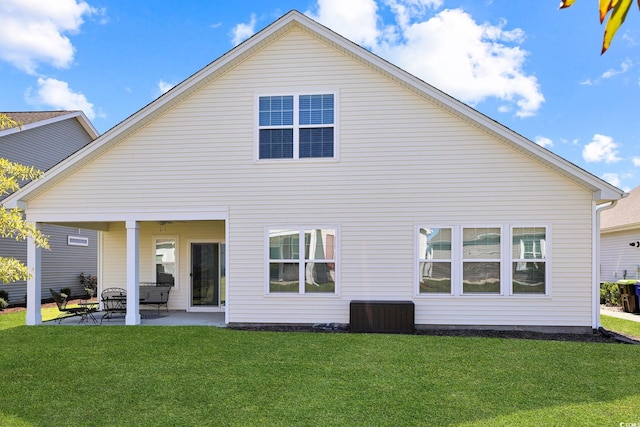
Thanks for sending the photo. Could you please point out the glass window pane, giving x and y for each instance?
(284, 277)
(316, 142)
(264, 103)
(287, 103)
(165, 261)
(528, 277)
(319, 277)
(529, 243)
(276, 143)
(327, 102)
(481, 243)
(276, 110)
(265, 118)
(435, 243)
(316, 109)
(319, 244)
(481, 277)
(435, 277)
(283, 244)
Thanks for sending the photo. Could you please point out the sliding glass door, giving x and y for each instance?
(207, 275)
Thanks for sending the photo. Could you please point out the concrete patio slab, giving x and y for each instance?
(151, 318)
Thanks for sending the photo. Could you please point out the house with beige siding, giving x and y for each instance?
(620, 240)
(44, 139)
(300, 172)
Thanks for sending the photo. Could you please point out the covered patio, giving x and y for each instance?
(185, 252)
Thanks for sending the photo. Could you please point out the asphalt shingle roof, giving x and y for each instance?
(625, 213)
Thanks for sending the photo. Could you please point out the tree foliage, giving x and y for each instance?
(618, 9)
(12, 222)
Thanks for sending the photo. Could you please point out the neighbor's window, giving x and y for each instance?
(481, 260)
(296, 126)
(434, 264)
(528, 264)
(302, 260)
(165, 261)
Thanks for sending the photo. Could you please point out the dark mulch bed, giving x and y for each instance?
(602, 336)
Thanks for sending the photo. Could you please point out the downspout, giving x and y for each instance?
(595, 317)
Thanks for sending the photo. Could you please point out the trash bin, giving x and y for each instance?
(629, 295)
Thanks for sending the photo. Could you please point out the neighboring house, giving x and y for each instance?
(45, 139)
(619, 227)
(299, 172)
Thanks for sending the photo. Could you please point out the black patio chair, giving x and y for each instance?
(114, 302)
(65, 311)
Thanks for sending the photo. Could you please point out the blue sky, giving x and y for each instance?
(526, 64)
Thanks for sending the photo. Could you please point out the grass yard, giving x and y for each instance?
(139, 376)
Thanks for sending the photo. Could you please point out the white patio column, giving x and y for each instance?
(133, 273)
(34, 288)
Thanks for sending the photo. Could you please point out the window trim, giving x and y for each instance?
(301, 261)
(296, 125)
(506, 260)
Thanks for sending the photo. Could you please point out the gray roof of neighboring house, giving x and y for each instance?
(625, 215)
(28, 117)
(34, 119)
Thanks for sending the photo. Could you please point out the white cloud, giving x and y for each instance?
(624, 67)
(356, 20)
(242, 31)
(601, 149)
(407, 10)
(34, 31)
(612, 178)
(636, 161)
(57, 94)
(449, 50)
(164, 87)
(543, 141)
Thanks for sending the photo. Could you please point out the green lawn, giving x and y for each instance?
(139, 376)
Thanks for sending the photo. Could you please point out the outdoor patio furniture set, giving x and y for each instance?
(114, 303)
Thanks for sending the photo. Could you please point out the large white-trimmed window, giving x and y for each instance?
(302, 260)
(529, 260)
(434, 260)
(505, 259)
(296, 126)
(481, 255)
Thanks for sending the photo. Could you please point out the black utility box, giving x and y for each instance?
(390, 317)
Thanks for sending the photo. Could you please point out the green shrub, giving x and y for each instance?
(610, 294)
(3, 303)
(4, 295)
(66, 292)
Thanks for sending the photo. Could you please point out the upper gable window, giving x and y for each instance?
(296, 126)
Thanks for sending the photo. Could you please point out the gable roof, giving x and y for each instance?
(33, 119)
(602, 190)
(624, 216)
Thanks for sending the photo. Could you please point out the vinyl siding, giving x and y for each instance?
(44, 147)
(61, 264)
(402, 162)
(616, 256)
